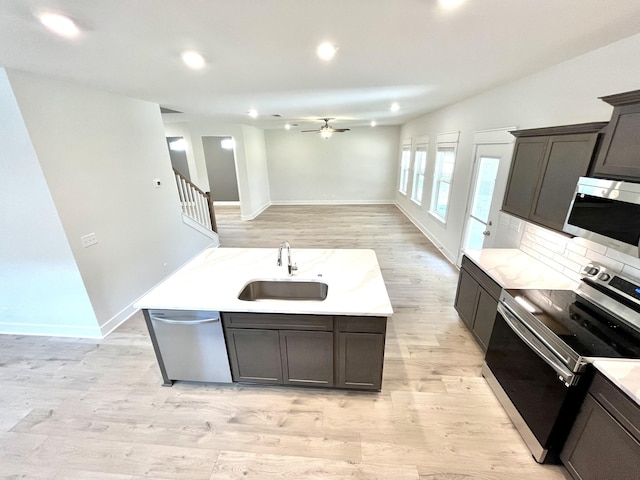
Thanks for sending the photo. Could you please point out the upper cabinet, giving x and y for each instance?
(619, 155)
(545, 168)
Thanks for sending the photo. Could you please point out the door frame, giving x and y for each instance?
(495, 136)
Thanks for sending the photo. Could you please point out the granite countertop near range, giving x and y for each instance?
(213, 280)
(512, 268)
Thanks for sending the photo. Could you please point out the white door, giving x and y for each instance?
(491, 170)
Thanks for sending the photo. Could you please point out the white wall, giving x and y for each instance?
(564, 94)
(353, 167)
(100, 153)
(250, 157)
(41, 289)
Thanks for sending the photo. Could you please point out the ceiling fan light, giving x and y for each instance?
(394, 107)
(326, 133)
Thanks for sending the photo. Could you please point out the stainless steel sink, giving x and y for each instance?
(257, 290)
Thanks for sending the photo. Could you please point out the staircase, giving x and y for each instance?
(196, 204)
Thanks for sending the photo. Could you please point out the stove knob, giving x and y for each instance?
(591, 270)
(605, 277)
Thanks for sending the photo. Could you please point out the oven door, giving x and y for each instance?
(536, 389)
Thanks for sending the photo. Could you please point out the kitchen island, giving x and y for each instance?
(335, 342)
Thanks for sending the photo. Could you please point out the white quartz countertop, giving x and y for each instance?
(213, 280)
(625, 374)
(512, 268)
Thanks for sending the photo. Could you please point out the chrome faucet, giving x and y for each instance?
(291, 267)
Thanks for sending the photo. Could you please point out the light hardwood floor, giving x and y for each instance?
(81, 409)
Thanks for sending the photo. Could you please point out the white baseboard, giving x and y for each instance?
(333, 202)
(117, 320)
(448, 255)
(255, 214)
(43, 330)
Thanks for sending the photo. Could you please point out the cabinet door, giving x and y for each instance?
(466, 297)
(254, 355)
(619, 156)
(567, 158)
(523, 175)
(484, 318)
(599, 447)
(359, 360)
(307, 358)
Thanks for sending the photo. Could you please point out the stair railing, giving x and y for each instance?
(196, 204)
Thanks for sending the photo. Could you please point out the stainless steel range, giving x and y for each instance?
(538, 357)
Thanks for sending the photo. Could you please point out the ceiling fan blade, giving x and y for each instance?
(308, 131)
(341, 129)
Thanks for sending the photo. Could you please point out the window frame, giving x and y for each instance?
(438, 180)
(419, 171)
(403, 183)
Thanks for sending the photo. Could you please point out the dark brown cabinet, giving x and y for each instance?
(254, 355)
(310, 350)
(619, 156)
(477, 301)
(307, 358)
(545, 168)
(360, 352)
(604, 440)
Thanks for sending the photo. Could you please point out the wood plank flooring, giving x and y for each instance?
(82, 409)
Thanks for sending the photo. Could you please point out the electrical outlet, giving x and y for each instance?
(88, 240)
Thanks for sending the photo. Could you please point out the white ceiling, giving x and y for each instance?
(261, 53)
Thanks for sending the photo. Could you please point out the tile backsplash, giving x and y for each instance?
(569, 255)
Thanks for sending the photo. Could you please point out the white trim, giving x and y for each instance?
(426, 233)
(200, 228)
(334, 202)
(50, 330)
(255, 214)
(117, 320)
(495, 135)
(448, 137)
(225, 203)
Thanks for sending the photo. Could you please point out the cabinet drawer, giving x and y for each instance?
(482, 278)
(278, 321)
(361, 324)
(619, 406)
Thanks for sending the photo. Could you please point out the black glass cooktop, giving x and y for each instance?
(582, 324)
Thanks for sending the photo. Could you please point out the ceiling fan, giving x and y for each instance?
(327, 130)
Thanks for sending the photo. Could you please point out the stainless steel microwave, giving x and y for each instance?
(606, 212)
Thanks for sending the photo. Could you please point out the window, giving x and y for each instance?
(419, 165)
(404, 168)
(445, 159)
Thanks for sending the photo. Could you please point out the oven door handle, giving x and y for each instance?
(564, 374)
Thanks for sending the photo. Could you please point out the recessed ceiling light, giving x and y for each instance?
(59, 24)
(253, 113)
(373, 123)
(193, 59)
(287, 127)
(450, 4)
(394, 107)
(326, 51)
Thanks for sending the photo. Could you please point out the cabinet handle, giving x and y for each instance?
(185, 322)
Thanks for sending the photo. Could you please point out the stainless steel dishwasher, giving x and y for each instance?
(189, 345)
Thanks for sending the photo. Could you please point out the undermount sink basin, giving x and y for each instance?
(284, 290)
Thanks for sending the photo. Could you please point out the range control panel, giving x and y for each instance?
(597, 274)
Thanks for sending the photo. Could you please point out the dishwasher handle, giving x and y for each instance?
(200, 321)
